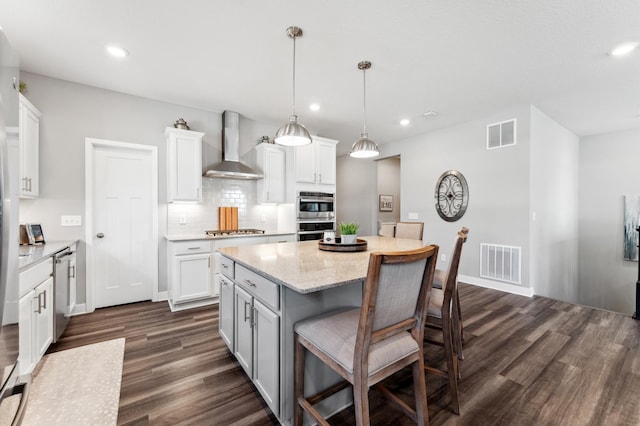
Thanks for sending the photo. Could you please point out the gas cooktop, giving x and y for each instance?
(223, 232)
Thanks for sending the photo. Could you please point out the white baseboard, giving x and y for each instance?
(497, 285)
(162, 295)
(79, 309)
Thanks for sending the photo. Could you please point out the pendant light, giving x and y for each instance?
(364, 147)
(293, 133)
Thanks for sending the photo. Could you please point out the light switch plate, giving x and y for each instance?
(412, 216)
(74, 220)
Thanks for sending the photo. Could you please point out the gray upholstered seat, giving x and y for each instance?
(368, 344)
(411, 230)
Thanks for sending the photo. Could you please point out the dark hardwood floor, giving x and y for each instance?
(528, 361)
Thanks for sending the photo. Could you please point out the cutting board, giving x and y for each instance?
(227, 218)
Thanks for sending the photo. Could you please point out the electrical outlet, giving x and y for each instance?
(182, 220)
(74, 220)
(412, 216)
(443, 257)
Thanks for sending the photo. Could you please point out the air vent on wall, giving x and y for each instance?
(501, 134)
(499, 262)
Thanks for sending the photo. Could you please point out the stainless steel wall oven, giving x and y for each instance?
(315, 214)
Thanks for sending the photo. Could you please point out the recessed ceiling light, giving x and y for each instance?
(430, 114)
(314, 107)
(405, 122)
(117, 51)
(624, 49)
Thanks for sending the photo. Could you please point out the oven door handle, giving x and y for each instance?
(313, 232)
(316, 200)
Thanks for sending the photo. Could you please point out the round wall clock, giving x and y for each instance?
(452, 195)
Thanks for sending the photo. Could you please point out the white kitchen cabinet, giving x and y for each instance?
(315, 165)
(29, 139)
(190, 274)
(256, 329)
(226, 310)
(184, 165)
(271, 160)
(36, 314)
(266, 346)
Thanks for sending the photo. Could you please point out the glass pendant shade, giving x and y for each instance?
(364, 147)
(292, 134)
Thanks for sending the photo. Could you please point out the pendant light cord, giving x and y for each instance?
(364, 101)
(293, 103)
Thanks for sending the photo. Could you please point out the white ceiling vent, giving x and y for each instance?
(501, 134)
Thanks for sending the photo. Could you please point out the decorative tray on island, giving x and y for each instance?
(359, 245)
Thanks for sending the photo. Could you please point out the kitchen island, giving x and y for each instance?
(267, 288)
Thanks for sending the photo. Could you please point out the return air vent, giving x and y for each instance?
(498, 262)
(501, 134)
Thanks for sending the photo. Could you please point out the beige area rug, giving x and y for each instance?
(79, 386)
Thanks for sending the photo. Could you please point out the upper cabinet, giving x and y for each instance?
(184, 165)
(315, 165)
(29, 140)
(271, 160)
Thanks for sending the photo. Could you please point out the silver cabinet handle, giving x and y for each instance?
(254, 317)
(39, 304)
(45, 299)
(72, 268)
(29, 179)
(250, 283)
(320, 177)
(209, 262)
(314, 177)
(224, 283)
(100, 235)
(245, 312)
(193, 248)
(225, 266)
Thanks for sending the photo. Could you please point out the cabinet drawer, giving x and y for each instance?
(258, 286)
(33, 276)
(192, 247)
(225, 266)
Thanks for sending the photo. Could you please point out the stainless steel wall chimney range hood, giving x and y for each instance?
(230, 167)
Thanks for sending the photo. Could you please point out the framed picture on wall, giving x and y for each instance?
(386, 203)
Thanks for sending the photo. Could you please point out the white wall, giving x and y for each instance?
(72, 112)
(388, 183)
(355, 193)
(554, 202)
(608, 171)
(498, 186)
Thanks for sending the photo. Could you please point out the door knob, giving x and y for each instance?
(100, 235)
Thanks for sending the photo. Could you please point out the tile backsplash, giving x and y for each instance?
(196, 218)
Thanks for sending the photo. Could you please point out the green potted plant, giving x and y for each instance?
(348, 232)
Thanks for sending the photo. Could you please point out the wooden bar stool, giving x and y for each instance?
(439, 278)
(442, 314)
(368, 344)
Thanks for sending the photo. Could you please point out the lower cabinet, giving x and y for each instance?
(36, 324)
(251, 329)
(190, 273)
(226, 311)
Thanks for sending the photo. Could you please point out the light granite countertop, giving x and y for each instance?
(203, 236)
(32, 255)
(304, 268)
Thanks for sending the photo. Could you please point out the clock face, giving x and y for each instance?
(452, 195)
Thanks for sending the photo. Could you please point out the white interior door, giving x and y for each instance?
(122, 223)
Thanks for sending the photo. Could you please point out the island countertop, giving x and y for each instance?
(304, 268)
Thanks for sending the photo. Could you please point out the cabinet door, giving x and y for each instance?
(28, 303)
(29, 136)
(193, 278)
(184, 168)
(226, 310)
(243, 330)
(43, 325)
(305, 165)
(266, 371)
(326, 161)
(274, 175)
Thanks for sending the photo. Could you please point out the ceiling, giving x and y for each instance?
(461, 58)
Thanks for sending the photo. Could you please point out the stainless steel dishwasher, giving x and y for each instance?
(61, 301)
